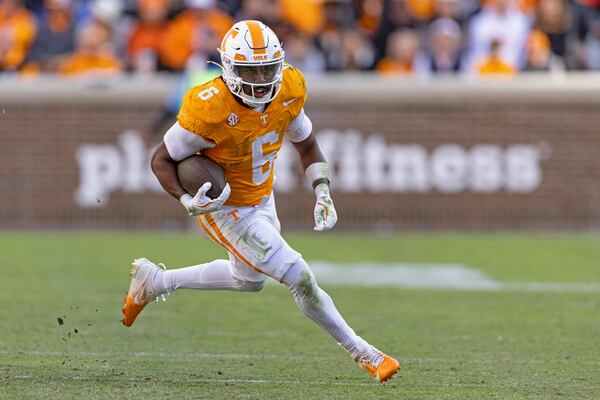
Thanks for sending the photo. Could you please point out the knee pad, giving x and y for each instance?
(300, 279)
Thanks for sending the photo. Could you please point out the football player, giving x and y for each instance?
(239, 121)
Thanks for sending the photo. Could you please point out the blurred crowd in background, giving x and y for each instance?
(401, 37)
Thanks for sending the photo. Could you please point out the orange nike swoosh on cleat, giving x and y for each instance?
(386, 369)
(131, 310)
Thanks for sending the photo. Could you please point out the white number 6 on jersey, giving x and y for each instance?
(259, 159)
(208, 93)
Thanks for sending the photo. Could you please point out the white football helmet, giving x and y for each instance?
(252, 60)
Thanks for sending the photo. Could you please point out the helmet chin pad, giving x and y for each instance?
(252, 98)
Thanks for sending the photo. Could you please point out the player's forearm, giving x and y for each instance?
(310, 154)
(317, 173)
(165, 170)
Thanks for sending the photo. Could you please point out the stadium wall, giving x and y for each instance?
(441, 155)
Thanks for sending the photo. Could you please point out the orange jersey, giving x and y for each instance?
(246, 141)
(388, 66)
(181, 34)
(17, 32)
(79, 63)
(495, 66)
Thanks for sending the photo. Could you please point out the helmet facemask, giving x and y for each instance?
(256, 83)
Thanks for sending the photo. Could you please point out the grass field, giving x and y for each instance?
(520, 343)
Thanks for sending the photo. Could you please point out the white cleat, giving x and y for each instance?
(141, 289)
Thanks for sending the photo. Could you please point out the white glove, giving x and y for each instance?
(325, 215)
(201, 203)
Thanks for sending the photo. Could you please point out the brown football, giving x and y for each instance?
(196, 170)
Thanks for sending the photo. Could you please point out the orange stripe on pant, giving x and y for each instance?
(225, 243)
(208, 232)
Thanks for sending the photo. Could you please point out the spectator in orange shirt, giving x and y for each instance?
(94, 54)
(494, 64)
(526, 6)
(307, 16)
(540, 56)
(17, 31)
(187, 32)
(421, 10)
(404, 56)
(369, 15)
(145, 41)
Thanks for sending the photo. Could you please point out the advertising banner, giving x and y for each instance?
(417, 159)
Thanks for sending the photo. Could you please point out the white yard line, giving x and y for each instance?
(432, 276)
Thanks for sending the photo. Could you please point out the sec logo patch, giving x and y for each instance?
(233, 119)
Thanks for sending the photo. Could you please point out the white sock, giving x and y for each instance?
(318, 306)
(214, 275)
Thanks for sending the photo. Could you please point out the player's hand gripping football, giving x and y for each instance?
(325, 215)
(201, 203)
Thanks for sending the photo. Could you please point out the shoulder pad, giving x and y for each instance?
(206, 103)
(294, 84)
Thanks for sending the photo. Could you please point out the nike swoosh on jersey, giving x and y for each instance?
(287, 103)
